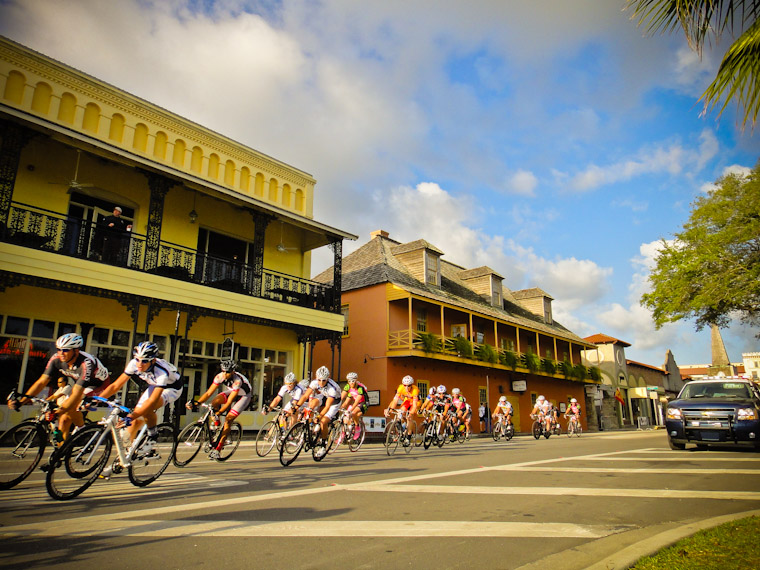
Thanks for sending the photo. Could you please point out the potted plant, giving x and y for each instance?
(531, 361)
(548, 365)
(509, 358)
(430, 342)
(486, 353)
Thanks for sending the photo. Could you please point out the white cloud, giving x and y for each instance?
(734, 169)
(671, 159)
(522, 182)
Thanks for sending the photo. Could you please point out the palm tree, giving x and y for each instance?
(739, 73)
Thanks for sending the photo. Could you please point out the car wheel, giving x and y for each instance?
(677, 446)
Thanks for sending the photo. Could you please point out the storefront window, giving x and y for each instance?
(17, 325)
(43, 329)
(11, 358)
(120, 338)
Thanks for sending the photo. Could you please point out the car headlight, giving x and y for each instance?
(674, 414)
(746, 414)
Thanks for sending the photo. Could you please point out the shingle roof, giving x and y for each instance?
(374, 263)
(531, 293)
(600, 338)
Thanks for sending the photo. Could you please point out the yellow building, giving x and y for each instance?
(216, 240)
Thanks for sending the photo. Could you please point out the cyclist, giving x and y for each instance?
(355, 399)
(164, 387)
(504, 409)
(295, 391)
(467, 419)
(234, 397)
(69, 361)
(325, 391)
(458, 407)
(543, 411)
(441, 403)
(574, 410)
(407, 397)
(59, 397)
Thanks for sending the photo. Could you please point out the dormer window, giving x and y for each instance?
(432, 269)
(495, 291)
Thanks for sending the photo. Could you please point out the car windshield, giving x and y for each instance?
(715, 390)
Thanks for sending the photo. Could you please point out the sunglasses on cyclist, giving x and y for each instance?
(64, 350)
(144, 360)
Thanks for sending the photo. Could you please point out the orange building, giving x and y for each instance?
(408, 311)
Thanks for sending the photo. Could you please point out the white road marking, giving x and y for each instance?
(301, 529)
(632, 470)
(558, 491)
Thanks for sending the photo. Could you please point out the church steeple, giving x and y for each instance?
(720, 361)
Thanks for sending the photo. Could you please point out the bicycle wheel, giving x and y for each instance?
(429, 436)
(189, 442)
(144, 468)
(78, 462)
(232, 442)
(509, 432)
(292, 443)
(578, 430)
(461, 435)
(497, 432)
(392, 437)
(354, 442)
(536, 429)
(570, 429)
(338, 434)
(267, 438)
(408, 445)
(418, 435)
(21, 449)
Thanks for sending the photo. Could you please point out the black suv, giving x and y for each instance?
(715, 411)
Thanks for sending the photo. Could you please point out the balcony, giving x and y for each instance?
(49, 231)
(457, 349)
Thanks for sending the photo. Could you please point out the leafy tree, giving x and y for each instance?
(711, 271)
(706, 20)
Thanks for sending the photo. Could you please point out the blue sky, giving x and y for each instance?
(547, 139)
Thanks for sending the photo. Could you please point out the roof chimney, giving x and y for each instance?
(378, 233)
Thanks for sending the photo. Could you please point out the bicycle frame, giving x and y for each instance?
(111, 421)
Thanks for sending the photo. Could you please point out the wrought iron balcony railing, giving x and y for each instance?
(49, 231)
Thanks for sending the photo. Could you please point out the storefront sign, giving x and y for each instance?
(519, 386)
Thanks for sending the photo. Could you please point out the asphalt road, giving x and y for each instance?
(601, 499)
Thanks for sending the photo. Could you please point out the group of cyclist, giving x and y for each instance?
(547, 414)
(323, 394)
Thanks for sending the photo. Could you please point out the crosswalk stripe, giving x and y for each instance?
(673, 470)
(301, 529)
(558, 491)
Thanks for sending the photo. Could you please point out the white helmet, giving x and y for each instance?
(441, 389)
(323, 373)
(573, 401)
(352, 376)
(503, 399)
(304, 383)
(431, 391)
(145, 350)
(455, 391)
(289, 379)
(407, 380)
(69, 341)
(541, 398)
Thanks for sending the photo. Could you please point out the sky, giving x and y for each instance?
(550, 140)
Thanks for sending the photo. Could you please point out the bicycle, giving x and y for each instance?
(202, 433)
(432, 433)
(396, 431)
(347, 432)
(83, 457)
(574, 426)
(539, 427)
(304, 434)
(271, 433)
(503, 429)
(23, 445)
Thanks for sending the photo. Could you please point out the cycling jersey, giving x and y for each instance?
(295, 393)
(236, 382)
(503, 408)
(574, 409)
(358, 393)
(458, 402)
(330, 390)
(161, 374)
(440, 401)
(86, 370)
(404, 393)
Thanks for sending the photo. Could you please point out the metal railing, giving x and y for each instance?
(67, 235)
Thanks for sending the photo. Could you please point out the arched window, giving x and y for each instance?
(196, 161)
(300, 202)
(68, 108)
(229, 173)
(141, 138)
(91, 120)
(14, 87)
(245, 179)
(159, 148)
(259, 185)
(178, 157)
(273, 190)
(41, 98)
(116, 132)
(213, 166)
(286, 195)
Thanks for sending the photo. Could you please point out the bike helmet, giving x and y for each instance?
(541, 398)
(407, 380)
(503, 399)
(290, 378)
(69, 341)
(146, 350)
(323, 373)
(573, 401)
(456, 391)
(228, 365)
(304, 383)
(431, 391)
(441, 389)
(352, 376)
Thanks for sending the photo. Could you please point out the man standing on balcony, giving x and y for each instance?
(114, 235)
